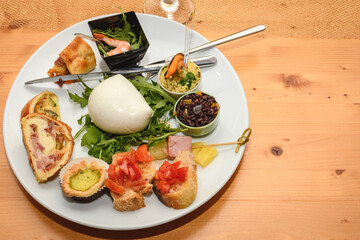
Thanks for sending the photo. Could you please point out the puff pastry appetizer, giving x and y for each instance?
(78, 57)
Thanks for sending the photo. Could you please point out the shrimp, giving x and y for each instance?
(120, 46)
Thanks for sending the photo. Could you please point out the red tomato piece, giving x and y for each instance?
(169, 174)
(143, 155)
(163, 187)
(124, 167)
(176, 164)
(111, 171)
(132, 156)
(138, 171)
(118, 173)
(164, 166)
(132, 174)
(181, 173)
(114, 187)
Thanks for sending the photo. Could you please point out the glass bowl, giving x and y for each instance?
(179, 87)
(185, 117)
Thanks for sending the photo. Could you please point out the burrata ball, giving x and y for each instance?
(116, 106)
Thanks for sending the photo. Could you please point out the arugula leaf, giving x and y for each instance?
(76, 98)
(83, 101)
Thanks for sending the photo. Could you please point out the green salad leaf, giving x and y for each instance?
(103, 145)
(83, 101)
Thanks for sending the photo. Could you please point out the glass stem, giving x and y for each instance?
(188, 31)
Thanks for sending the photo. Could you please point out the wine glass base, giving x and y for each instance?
(180, 11)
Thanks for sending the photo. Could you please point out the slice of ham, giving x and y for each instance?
(45, 162)
(178, 144)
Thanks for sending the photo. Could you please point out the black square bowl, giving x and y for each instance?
(129, 58)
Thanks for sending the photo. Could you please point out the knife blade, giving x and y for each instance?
(206, 61)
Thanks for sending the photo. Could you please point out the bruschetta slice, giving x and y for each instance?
(48, 142)
(176, 184)
(45, 102)
(130, 176)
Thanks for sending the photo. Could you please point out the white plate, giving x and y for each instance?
(166, 38)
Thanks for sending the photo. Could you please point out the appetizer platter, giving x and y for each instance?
(152, 204)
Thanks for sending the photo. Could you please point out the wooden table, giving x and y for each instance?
(300, 175)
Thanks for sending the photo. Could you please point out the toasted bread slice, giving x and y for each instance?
(132, 200)
(45, 102)
(49, 144)
(181, 195)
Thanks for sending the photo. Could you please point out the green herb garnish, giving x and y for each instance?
(103, 145)
(188, 80)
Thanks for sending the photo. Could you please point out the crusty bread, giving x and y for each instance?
(132, 200)
(45, 102)
(49, 144)
(181, 195)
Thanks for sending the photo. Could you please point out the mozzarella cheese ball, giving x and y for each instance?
(116, 106)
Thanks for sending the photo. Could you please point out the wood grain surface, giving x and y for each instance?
(299, 177)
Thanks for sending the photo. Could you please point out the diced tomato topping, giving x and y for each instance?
(169, 174)
(181, 173)
(143, 155)
(118, 173)
(125, 172)
(132, 156)
(176, 164)
(164, 166)
(111, 171)
(113, 186)
(164, 187)
(124, 167)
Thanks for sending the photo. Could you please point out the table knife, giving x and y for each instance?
(206, 61)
